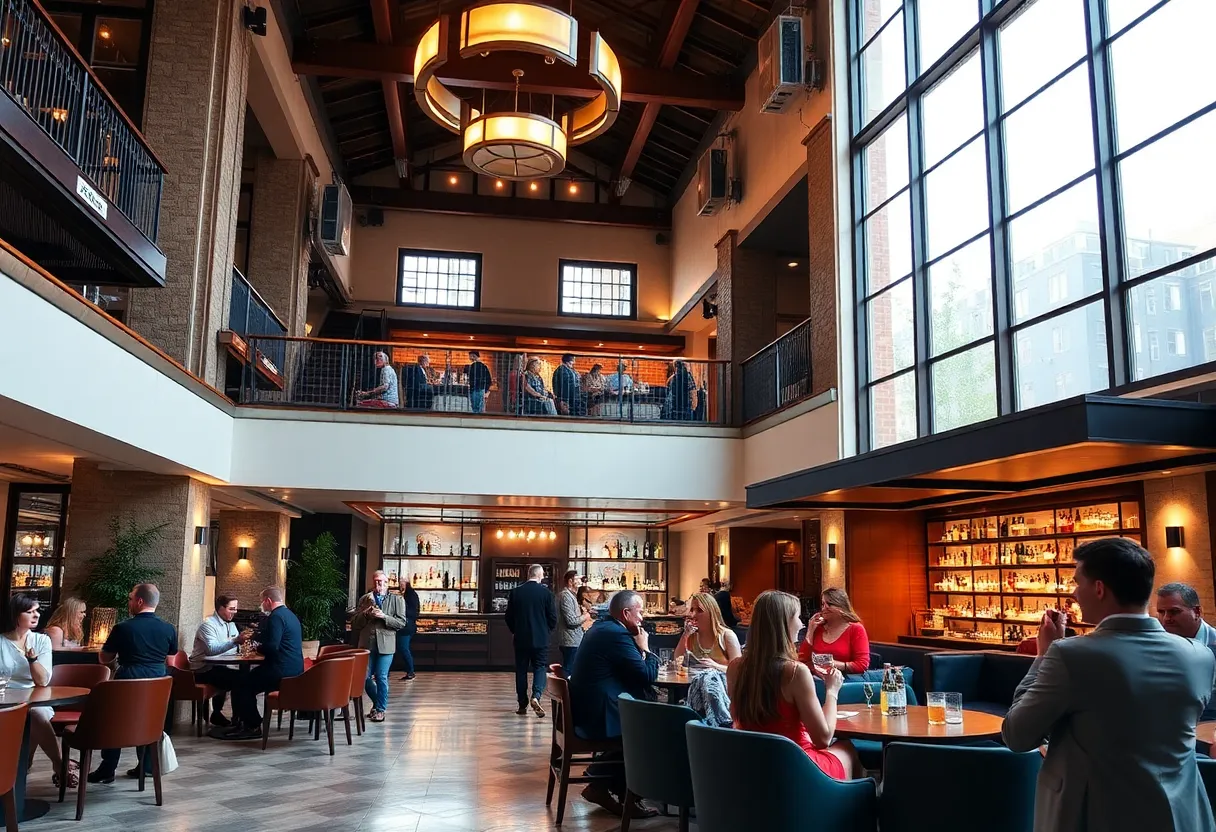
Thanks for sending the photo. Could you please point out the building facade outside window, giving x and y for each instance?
(1026, 172)
(449, 279)
(598, 290)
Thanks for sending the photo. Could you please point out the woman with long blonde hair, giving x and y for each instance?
(836, 631)
(66, 627)
(774, 693)
(706, 637)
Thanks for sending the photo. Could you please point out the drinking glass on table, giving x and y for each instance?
(936, 702)
(823, 661)
(4, 677)
(868, 689)
(665, 654)
(954, 709)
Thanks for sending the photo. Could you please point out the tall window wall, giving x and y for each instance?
(1033, 193)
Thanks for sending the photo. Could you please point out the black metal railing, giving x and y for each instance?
(779, 374)
(343, 375)
(46, 77)
(249, 317)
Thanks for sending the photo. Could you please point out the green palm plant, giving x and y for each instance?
(110, 575)
(316, 585)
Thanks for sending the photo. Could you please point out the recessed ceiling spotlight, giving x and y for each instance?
(793, 264)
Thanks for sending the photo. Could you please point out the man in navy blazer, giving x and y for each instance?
(531, 617)
(280, 641)
(614, 658)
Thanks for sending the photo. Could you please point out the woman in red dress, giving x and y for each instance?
(773, 693)
(837, 631)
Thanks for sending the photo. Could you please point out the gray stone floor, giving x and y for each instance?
(452, 756)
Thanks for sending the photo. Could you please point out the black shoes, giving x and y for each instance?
(101, 776)
(409, 677)
(523, 709)
(600, 796)
(220, 721)
(242, 733)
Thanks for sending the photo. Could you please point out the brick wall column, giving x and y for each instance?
(278, 246)
(821, 214)
(195, 120)
(265, 533)
(747, 308)
(180, 503)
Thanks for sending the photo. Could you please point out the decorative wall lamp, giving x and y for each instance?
(285, 553)
(831, 551)
(1174, 537)
(242, 553)
(201, 535)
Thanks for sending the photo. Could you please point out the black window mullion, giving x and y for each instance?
(861, 343)
(1111, 236)
(916, 159)
(994, 145)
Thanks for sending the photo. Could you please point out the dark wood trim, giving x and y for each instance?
(350, 59)
(506, 207)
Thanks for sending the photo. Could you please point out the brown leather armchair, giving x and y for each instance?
(324, 687)
(12, 728)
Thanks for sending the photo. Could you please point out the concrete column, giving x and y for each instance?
(178, 503)
(194, 118)
(278, 245)
(265, 534)
(821, 214)
(747, 308)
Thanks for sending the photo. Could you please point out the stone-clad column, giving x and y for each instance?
(194, 118)
(179, 503)
(265, 535)
(278, 244)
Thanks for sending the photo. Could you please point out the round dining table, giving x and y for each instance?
(675, 684)
(51, 696)
(870, 724)
(243, 663)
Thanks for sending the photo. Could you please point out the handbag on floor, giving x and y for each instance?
(168, 757)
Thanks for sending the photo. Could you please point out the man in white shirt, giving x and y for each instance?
(1179, 612)
(217, 636)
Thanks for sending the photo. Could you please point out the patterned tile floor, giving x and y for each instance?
(452, 756)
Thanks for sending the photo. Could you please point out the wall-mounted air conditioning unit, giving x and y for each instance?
(782, 62)
(335, 219)
(713, 183)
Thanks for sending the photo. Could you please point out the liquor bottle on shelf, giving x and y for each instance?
(1004, 527)
(451, 553)
(445, 579)
(607, 551)
(646, 550)
(635, 583)
(658, 551)
(428, 548)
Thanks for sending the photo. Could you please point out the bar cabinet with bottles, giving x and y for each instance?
(34, 542)
(991, 575)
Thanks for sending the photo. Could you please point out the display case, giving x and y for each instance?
(33, 542)
(991, 575)
(614, 558)
(452, 626)
(440, 560)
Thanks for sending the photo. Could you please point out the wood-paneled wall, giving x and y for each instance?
(886, 569)
(754, 560)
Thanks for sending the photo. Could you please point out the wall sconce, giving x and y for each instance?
(1174, 538)
(499, 535)
(243, 552)
(510, 534)
(552, 534)
(285, 553)
(831, 551)
(201, 535)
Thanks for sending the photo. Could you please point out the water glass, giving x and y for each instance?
(822, 660)
(936, 702)
(954, 709)
(665, 654)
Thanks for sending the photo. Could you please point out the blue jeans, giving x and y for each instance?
(477, 401)
(533, 659)
(568, 659)
(403, 650)
(376, 684)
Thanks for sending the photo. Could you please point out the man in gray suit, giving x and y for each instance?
(1118, 707)
(379, 616)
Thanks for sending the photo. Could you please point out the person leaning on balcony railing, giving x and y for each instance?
(385, 394)
(537, 400)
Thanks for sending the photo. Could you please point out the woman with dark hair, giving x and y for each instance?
(25, 657)
(836, 630)
(774, 693)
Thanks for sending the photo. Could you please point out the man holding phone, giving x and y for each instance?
(380, 615)
(614, 658)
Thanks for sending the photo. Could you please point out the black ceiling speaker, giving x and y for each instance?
(708, 309)
(255, 20)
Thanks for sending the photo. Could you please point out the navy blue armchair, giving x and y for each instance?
(954, 787)
(986, 679)
(770, 785)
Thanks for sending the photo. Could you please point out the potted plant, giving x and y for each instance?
(316, 585)
(110, 575)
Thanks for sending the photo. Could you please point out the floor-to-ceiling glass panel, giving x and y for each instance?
(1061, 357)
(953, 110)
(888, 244)
(960, 297)
(893, 411)
(964, 388)
(886, 164)
(889, 329)
(956, 199)
(1037, 44)
(1049, 141)
(942, 23)
(1173, 319)
(883, 68)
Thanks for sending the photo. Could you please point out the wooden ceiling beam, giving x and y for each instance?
(352, 59)
(382, 20)
(549, 210)
(676, 28)
(728, 22)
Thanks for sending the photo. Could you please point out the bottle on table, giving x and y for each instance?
(897, 700)
(888, 684)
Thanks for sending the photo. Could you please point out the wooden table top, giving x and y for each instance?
(1206, 732)
(870, 724)
(668, 679)
(47, 697)
(256, 658)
